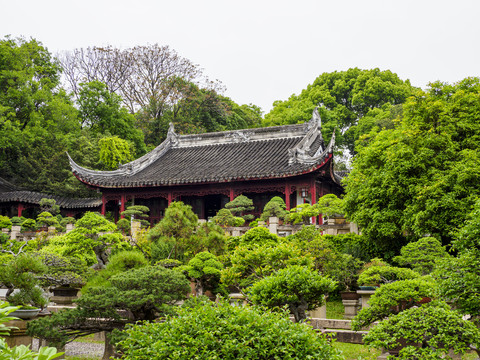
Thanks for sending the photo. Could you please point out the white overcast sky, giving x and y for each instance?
(266, 50)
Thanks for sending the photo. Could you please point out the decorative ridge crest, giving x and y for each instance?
(301, 152)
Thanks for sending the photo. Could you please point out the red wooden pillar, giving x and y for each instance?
(104, 205)
(320, 218)
(170, 198)
(123, 201)
(20, 209)
(287, 196)
(232, 195)
(313, 193)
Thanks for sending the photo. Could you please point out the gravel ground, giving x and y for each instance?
(84, 349)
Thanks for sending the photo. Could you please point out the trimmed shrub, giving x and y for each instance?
(5, 222)
(377, 275)
(297, 287)
(220, 331)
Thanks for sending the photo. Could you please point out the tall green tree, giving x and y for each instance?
(345, 97)
(38, 121)
(101, 112)
(423, 176)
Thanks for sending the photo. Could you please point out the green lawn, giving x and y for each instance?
(356, 351)
(335, 309)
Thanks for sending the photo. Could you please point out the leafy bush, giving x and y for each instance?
(224, 217)
(5, 222)
(29, 225)
(221, 331)
(248, 264)
(67, 220)
(204, 269)
(259, 236)
(124, 225)
(358, 246)
(91, 241)
(458, 282)
(376, 275)
(4, 238)
(345, 270)
(17, 221)
(425, 332)
(422, 255)
(295, 286)
(392, 298)
(301, 214)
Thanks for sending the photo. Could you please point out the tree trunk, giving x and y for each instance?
(109, 350)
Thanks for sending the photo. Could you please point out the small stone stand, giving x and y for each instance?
(351, 308)
(237, 299)
(18, 336)
(365, 297)
(319, 313)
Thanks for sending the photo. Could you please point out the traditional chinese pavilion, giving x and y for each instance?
(208, 170)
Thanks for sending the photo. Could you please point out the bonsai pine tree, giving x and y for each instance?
(204, 269)
(22, 273)
(137, 294)
(422, 255)
(47, 219)
(225, 217)
(50, 206)
(297, 287)
(137, 212)
(241, 206)
(275, 207)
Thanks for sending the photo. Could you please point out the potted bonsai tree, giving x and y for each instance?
(346, 273)
(19, 276)
(64, 275)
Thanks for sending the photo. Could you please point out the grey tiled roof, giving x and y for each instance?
(31, 197)
(262, 153)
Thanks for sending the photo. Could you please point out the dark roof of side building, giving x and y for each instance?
(261, 153)
(11, 193)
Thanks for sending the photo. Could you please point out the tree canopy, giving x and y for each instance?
(345, 98)
(423, 176)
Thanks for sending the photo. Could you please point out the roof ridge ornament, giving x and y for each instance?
(171, 135)
(239, 136)
(316, 120)
(303, 152)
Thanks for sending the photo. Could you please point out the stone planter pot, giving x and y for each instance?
(25, 314)
(64, 295)
(65, 291)
(349, 295)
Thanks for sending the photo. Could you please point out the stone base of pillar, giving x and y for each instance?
(351, 307)
(319, 313)
(18, 336)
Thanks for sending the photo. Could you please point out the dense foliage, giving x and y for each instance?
(145, 293)
(354, 101)
(298, 287)
(422, 177)
(426, 332)
(220, 331)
